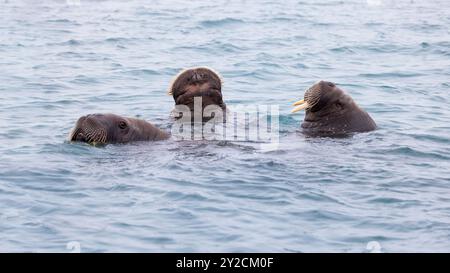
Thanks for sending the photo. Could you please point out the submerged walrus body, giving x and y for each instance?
(110, 128)
(332, 113)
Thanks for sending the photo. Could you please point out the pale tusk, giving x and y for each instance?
(299, 102)
(301, 107)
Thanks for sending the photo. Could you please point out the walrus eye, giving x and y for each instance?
(330, 84)
(339, 105)
(122, 125)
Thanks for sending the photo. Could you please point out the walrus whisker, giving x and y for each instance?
(312, 95)
(89, 135)
(103, 137)
(96, 136)
(74, 134)
(89, 139)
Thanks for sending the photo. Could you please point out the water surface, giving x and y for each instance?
(61, 61)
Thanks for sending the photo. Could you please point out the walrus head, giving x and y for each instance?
(109, 128)
(197, 82)
(331, 112)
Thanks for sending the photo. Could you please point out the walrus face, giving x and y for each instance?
(324, 97)
(330, 111)
(109, 128)
(197, 82)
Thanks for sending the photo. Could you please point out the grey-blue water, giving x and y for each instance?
(60, 60)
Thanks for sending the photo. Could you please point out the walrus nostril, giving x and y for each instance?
(197, 77)
(80, 137)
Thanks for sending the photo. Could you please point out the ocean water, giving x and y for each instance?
(387, 190)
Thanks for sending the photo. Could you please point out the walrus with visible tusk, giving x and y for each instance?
(331, 112)
(195, 83)
(109, 128)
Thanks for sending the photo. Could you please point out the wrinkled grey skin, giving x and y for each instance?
(110, 128)
(334, 113)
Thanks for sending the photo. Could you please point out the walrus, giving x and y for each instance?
(109, 129)
(331, 112)
(191, 84)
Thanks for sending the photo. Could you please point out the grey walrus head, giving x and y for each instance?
(197, 83)
(332, 112)
(110, 128)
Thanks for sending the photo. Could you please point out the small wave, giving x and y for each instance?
(81, 79)
(322, 24)
(433, 138)
(141, 72)
(342, 49)
(282, 19)
(47, 86)
(71, 42)
(439, 48)
(221, 22)
(374, 24)
(300, 66)
(63, 21)
(182, 196)
(69, 54)
(395, 201)
(408, 151)
(229, 47)
(117, 39)
(390, 75)
(318, 197)
(323, 215)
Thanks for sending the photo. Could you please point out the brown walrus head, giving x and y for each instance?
(331, 112)
(197, 82)
(109, 128)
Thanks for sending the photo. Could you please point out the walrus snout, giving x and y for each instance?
(312, 96)
(79, 137)
(197, 82)
(89, 129)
